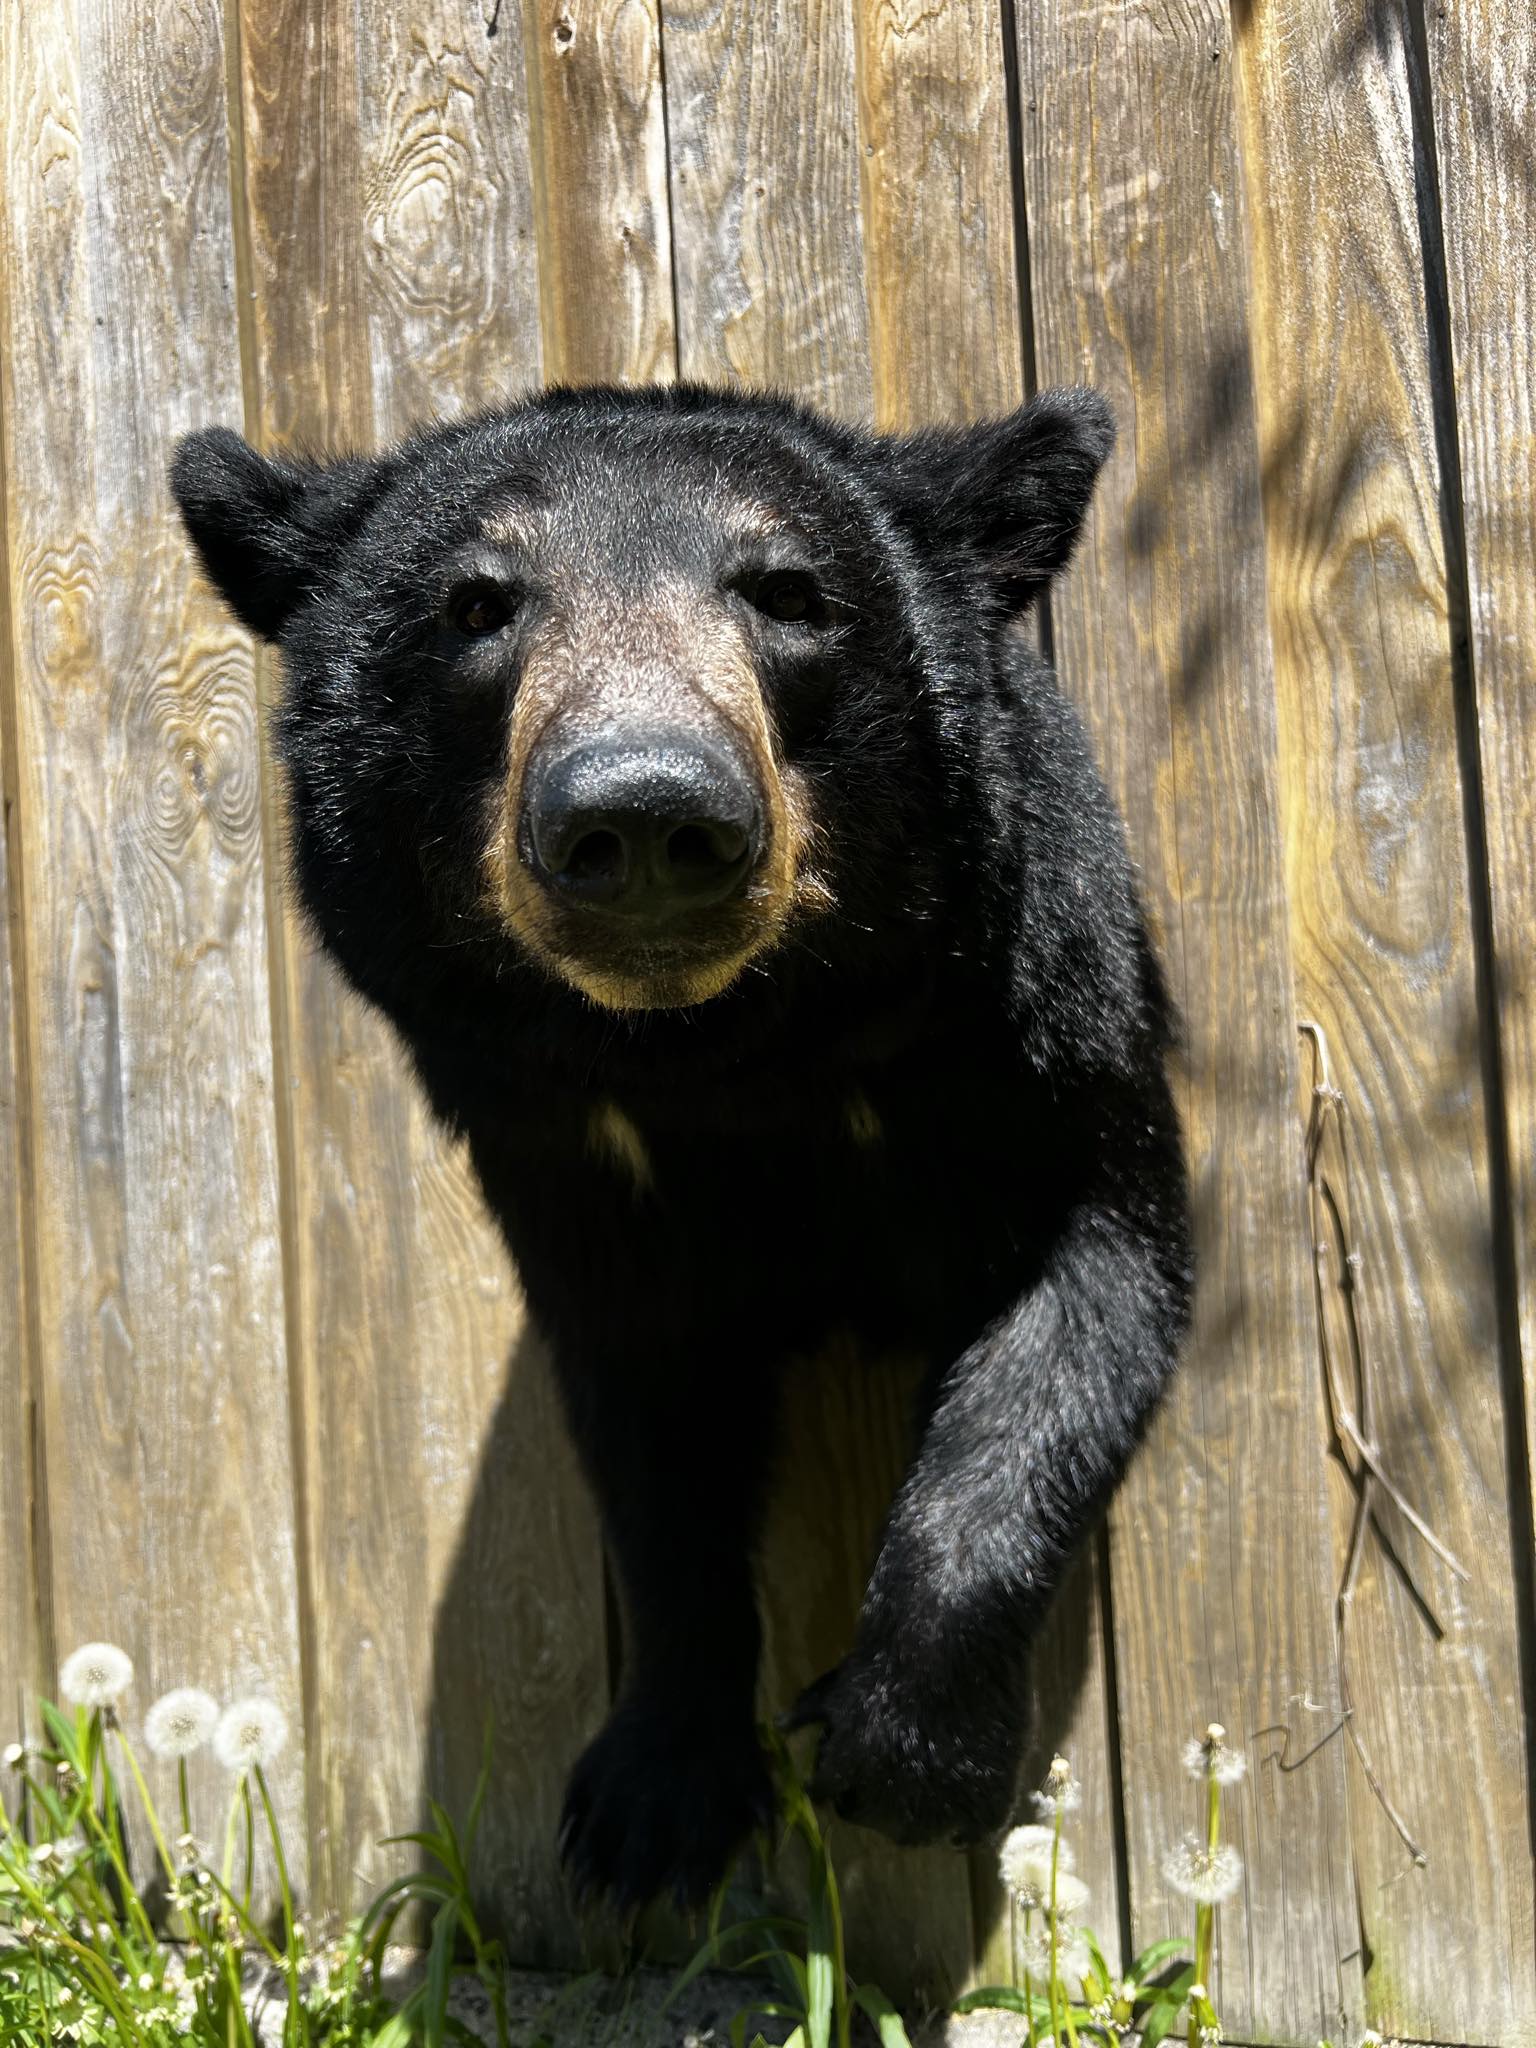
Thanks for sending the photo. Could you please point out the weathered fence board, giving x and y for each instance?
(21, 1659)
(1222, 1573)
(767, 225)
(600, 174)
(1482, 62)
(154, 1200)
(273, 1344)
(1383, 942)
(425, 1503)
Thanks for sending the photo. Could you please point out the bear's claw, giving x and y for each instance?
(659, 1804)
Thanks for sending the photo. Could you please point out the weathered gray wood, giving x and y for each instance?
(158, 1311)
(599, 163)
(762, 123)
(1482, 61)
(453, 1562)
(1223, 1566)
(20, 1661)
(1383, 944)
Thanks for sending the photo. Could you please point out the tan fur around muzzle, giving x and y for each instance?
(671, 655)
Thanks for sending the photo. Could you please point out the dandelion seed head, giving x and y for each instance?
(1073, 1959)
(250, 1733)
(181, 1721)
(1209, 1757)
(1024, 1862)
(1206, 1875)
(95, 1675)
(1061, 1792)
(1071, 1896)
(14, 1757)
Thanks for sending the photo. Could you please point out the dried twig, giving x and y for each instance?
(1330, 1211)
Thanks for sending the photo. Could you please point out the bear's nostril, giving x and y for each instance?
(703, 849)
(597, 858)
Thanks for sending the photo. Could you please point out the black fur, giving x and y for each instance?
(985, 986)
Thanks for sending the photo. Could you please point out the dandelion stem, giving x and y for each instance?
(1058, 1989)
(250, 1840)
(297, 2026)
(1205, 1915)
(1029, 1989)
(149, 1808)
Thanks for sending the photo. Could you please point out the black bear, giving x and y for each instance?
(666, 767)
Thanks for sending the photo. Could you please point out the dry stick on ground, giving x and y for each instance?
(1353, 1423)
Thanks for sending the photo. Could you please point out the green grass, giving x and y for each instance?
(94, 1950)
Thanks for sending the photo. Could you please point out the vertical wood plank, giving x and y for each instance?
(1383, 944)
(1482, 70)
(762, 122)
(21, 1674)
(1223, 1568)
(453, 1556)
(600, 179)
(159, 1309)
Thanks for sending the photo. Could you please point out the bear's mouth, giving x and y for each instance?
(638, 958)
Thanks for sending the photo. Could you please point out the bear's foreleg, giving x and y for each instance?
(1028, 1432)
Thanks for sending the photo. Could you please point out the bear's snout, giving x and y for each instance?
(647, 825)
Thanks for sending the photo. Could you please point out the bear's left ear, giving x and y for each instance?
(1013, 492)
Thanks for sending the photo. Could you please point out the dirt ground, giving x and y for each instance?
(552, 2011)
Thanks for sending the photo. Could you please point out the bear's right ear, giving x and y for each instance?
(266, 529)
(1011, 493)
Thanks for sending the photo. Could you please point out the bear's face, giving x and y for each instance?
(645, 682)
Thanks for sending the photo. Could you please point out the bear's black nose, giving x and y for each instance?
(650, 826)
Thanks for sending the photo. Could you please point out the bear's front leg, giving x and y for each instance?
(1029, 1431)
(676, 1781)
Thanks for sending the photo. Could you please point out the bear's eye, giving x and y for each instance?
(784, 594)
(479, 609)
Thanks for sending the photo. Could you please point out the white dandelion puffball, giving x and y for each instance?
(250, 1733)
(1024, 1862)
(1061, 1792)
(181, 1721)
(1198, 1872)
(1071, 1895)
(95, 1675)
(1212, 1758)
(1034, 1949)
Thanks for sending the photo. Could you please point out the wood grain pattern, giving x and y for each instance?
(453, 1559)
(599, 157)
(762, 123)
(1223, 1572)
(1482, 62)
(20, 1656)
(944, 324)
(159, 1308)
(1382, 939)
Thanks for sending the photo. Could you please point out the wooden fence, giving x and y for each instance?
(257, 1418)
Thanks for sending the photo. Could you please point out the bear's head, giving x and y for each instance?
(634, 686)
